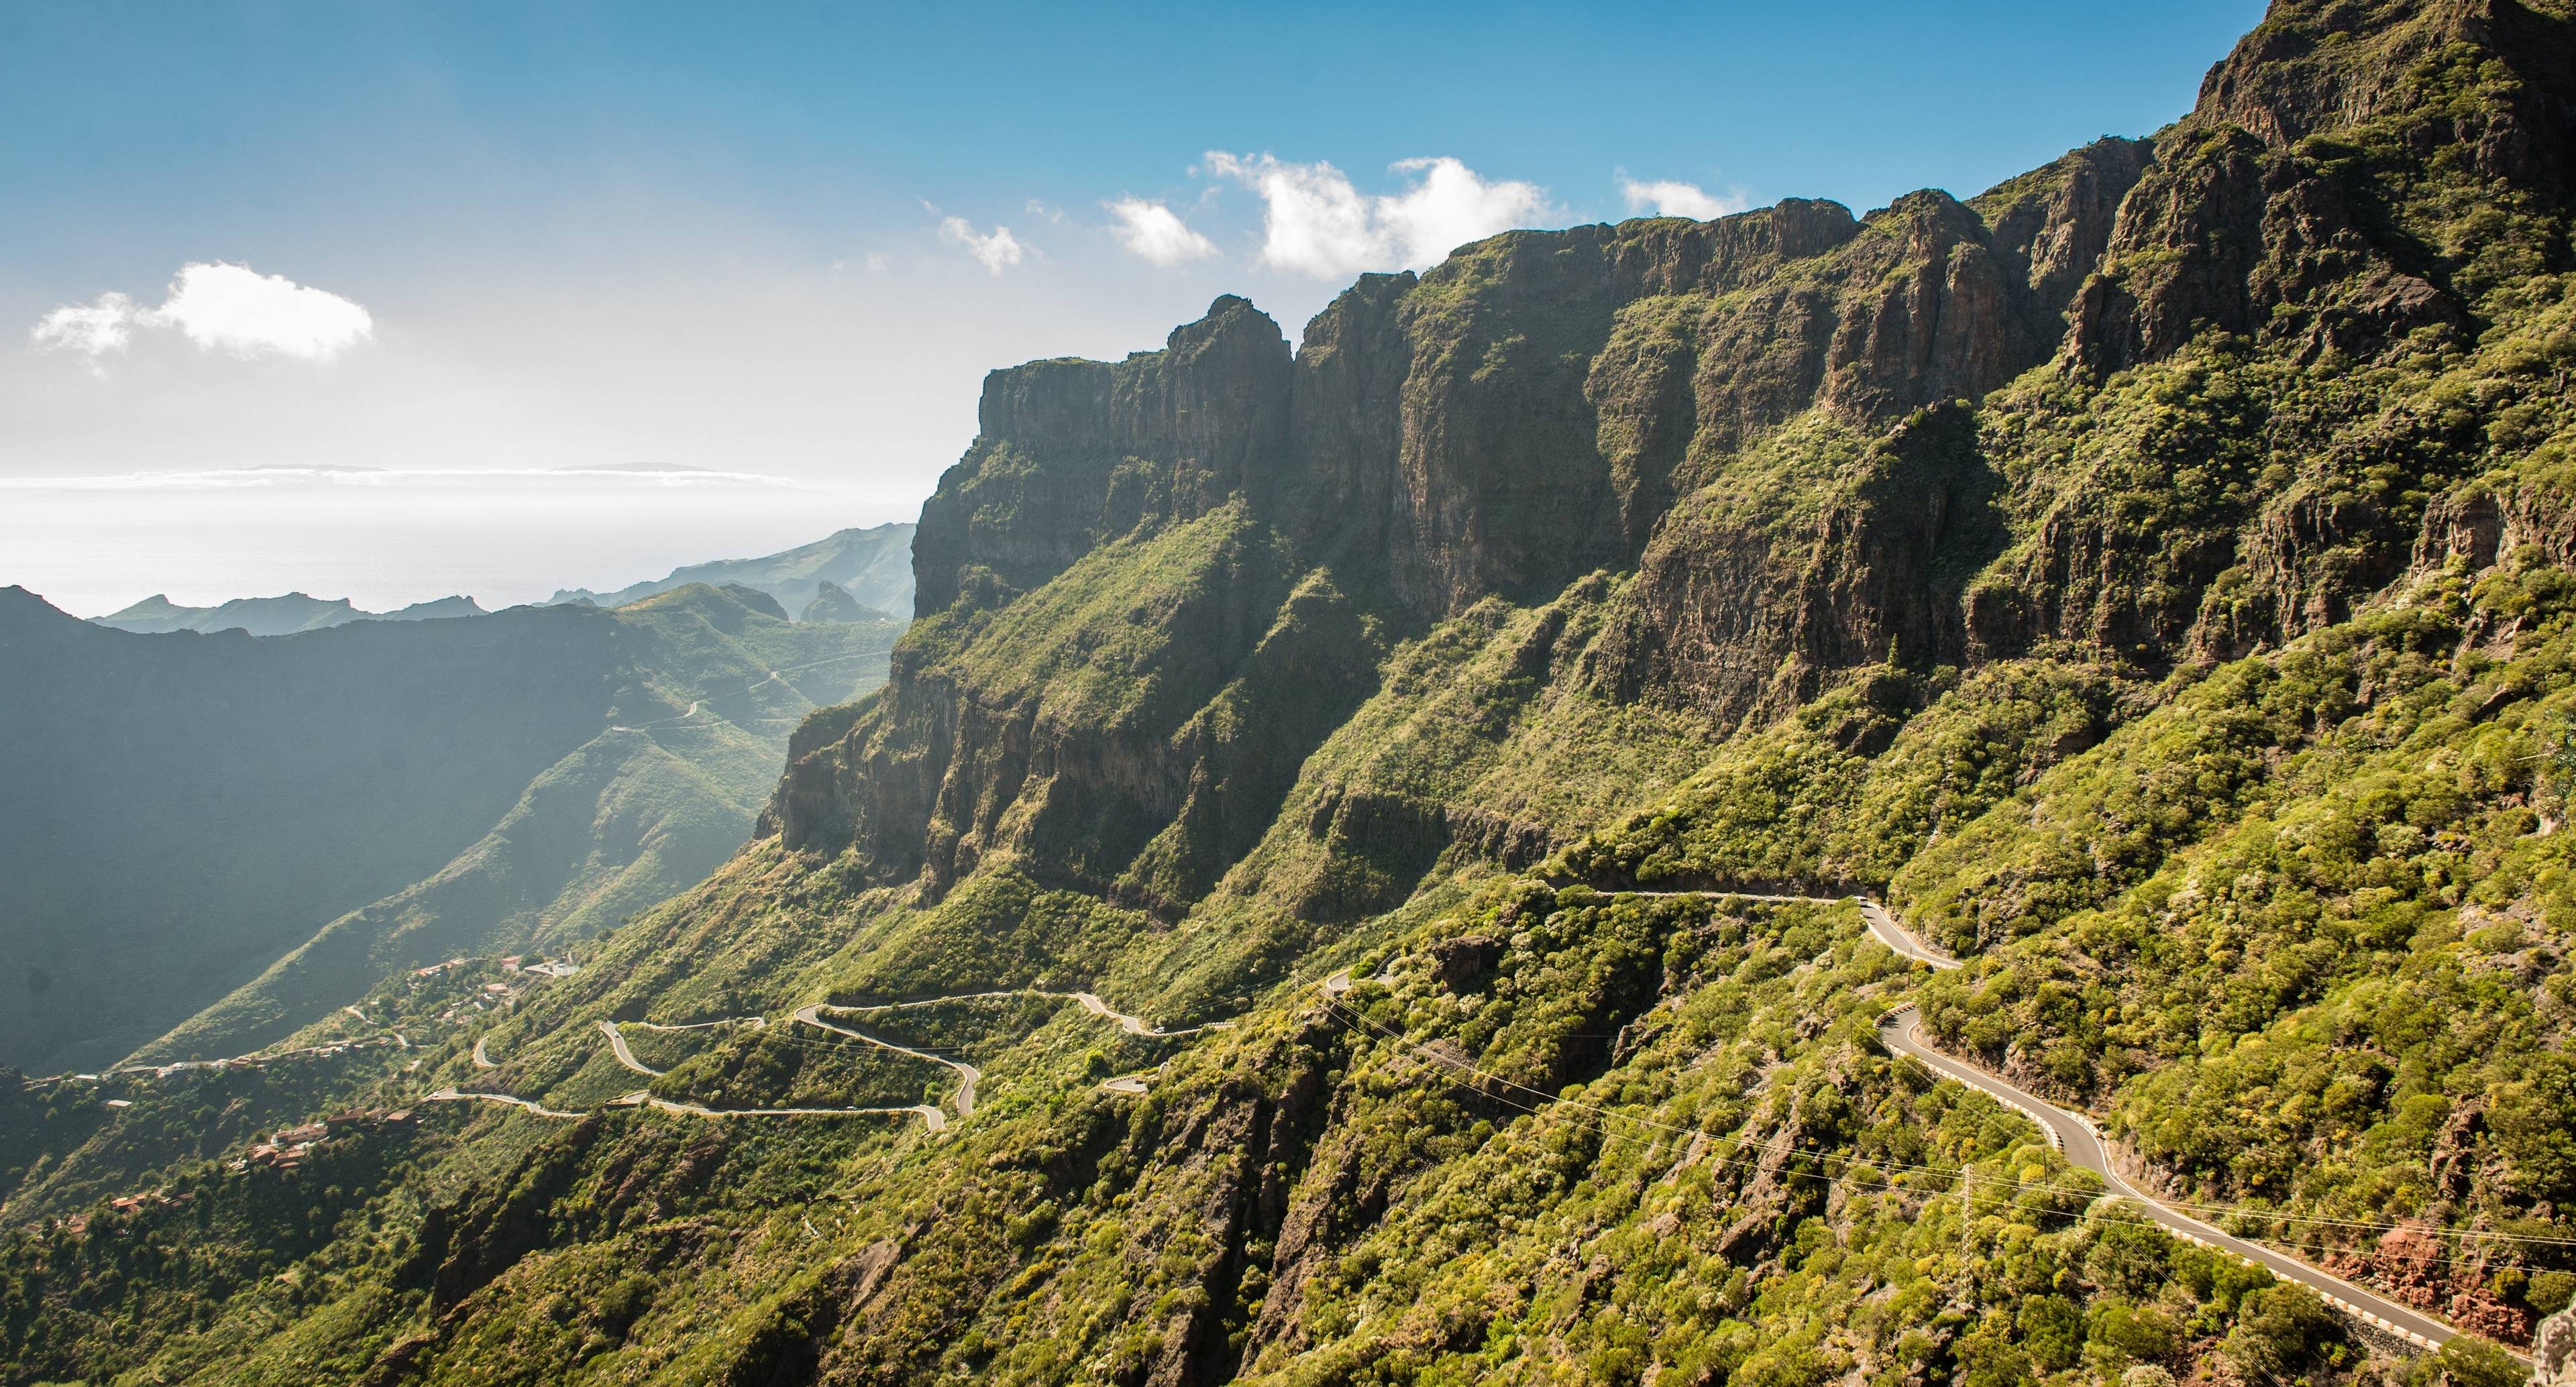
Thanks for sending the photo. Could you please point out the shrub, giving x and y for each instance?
(2469, 1361)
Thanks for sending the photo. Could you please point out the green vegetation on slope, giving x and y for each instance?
(285, 819)
(2152, 576)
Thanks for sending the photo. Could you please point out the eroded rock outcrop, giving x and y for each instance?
(1070, 454)
(1772, 419)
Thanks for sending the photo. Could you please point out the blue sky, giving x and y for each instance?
(761, 244)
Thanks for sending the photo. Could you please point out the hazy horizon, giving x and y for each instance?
(391, 304)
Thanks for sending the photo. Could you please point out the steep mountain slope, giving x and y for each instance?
(2155, 577)
(182, 813)
(871, 565)
(271, 616)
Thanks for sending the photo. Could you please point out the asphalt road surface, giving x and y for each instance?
(2075, 1134)
(967, 1074)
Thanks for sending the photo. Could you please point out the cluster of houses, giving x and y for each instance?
(502, 991)
(510, 963)
(78, 1224)
(287, 1148)
(492, 992)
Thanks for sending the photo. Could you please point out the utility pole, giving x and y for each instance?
(1967, 1198)
(1967, 1209)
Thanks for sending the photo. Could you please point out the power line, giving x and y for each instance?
(2218, 1211)
(2086, 1215)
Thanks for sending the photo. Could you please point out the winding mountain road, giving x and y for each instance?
(930, 1116)
(2077, 1136)
(1132, 1085)
(450, 1095)
(1133, 1025)
(2070, 1132)
(932, 1119)
(1900, 1030)
(1089, 1001)
(691, 712)
(1884, 926)
(967, 1074)
(1128, 1085)
(1895, 935)
(617, 1047)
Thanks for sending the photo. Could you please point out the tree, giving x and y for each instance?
(2470, 1361)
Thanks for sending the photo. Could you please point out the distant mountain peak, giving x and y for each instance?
(282, 615)
(832, 602)
(872, 565)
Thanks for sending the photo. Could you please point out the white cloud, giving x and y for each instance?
(93, 329)
(1451, 206)
(999, 251)
(218, 307)
(1157, 233)
(1315, 222)
(237, 309)
(1670, 198)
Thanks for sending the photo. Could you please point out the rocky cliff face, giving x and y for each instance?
(1786, 423)
(1791, 551)
(1518, 416)
(1070, 454)
(1735, 615)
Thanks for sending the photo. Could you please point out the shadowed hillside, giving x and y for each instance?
(272, 616)
(179, 812)
(1349, 879)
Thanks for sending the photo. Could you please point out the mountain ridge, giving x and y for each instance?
(389, 756)
(869, 563)
(272, 616)
(2150, 575)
